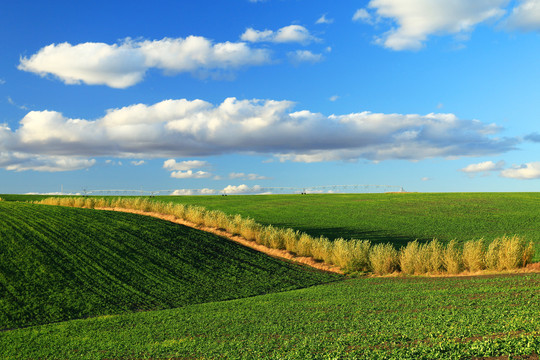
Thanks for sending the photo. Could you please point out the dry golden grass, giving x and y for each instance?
(452, 258)
(474, 255)
(384, 259)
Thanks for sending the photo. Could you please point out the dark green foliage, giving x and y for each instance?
(61, 263)
(366, 318)
(17, 197)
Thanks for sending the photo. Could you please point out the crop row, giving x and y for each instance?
(504, 253)
(61, 263)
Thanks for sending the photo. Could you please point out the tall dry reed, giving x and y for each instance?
(474, 258)
(452, 258)
(383, 259)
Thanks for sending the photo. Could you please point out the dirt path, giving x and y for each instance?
(282, 254)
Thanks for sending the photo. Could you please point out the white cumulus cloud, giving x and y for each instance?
(525, 16)
(172, 165)
(527, 171)
(184, 128)
(287, 34)
(416, 20)
(485, 166)
(363, 15)
(324, 20)
(184, 169)
(241, 189)
(204, 191)
(125, 64)
(24, 162)
(302, 56)
(190, 174)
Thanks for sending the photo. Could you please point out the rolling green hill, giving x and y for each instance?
(395, 218)
(367, 318)
(65, 263)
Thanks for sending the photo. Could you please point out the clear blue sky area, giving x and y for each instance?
(242, 96)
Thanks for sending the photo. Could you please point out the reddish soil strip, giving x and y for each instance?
(283, 254)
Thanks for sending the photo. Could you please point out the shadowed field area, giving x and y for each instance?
(61, 263)
(395, 218)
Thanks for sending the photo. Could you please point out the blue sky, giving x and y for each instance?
(429, 95)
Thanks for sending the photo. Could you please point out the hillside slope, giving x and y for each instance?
(395, 218)
(489, 317)
(64, 263)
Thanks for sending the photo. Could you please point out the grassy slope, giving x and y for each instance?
(64, 263)
(428, 318)
(396, 218)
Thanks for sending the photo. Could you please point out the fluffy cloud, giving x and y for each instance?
(324, 20)
(190, 174)
(137, 163)
(183, 128)
(25, 162)
(172, 165)
(362, 15)
(204, 191)
(525, 16)
(416, 20)
(125, 64)
(524, 172)
(287, 34)
(485, 166)
(184, 169)
(301, 56)
(241, 189)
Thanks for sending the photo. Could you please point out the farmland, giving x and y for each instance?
(394, 218)
(366, 318)
(63, 263)
(98, 284)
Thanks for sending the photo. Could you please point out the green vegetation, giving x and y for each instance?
(389, 218)
(365, 318)
(350, 255)
(19, 197)
(61, 263)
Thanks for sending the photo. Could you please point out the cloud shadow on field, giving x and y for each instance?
(375, 236)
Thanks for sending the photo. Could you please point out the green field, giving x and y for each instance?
(395, 218)
(65, 263)
(87, 284)
(367, 318)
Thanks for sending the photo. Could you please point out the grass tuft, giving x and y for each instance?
(452, 258)
(474, 258)
(384, 259)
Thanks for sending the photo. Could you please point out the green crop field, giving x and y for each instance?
(395, 218)
(87, 284)
(366, 318)
(64, 263)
